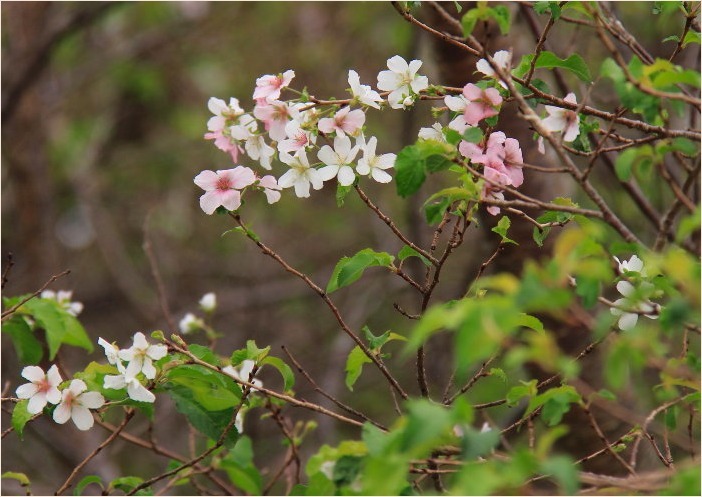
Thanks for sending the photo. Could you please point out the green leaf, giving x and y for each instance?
(555, 401)
(427, 425)
(350, 269)
(588, 289)
(688, 225)
(531, 322)
(283, 369)
(575, 64)
(20, 417)
(346, 470)
(565, 472)
(27, 347)
(128, 483)
(210, 423)
(354, 366)
(692, 36)
(204, 354)
(212, 390)
(501, 14)
(341, 192)
(436, 163)
(85, 482)
(470, 19)
(239, 466)
(473, 135)
(501, 229)
(499, 373)
(477, 443)
(320, 485)
(434, 213)
(60, 326)
(408, 251)
(409, 167)
(516, 393)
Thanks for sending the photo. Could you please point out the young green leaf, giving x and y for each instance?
(409, 175)
(350, 269)
(575, 64)
(283, 369)
(88, 480)
(354, 366)
(408, 251)
(501, 229)
(20, 417)
(27, 347)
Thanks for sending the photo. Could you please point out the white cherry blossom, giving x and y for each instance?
(634, 265)
(565, 120)
(63, 297)
(503, 59)
(75, 405)
(111, 351)
(627, 320)
(208, 302)
(402, 81)
(243, 372)
(433, 133)
(135, 390)
(375, 165)
(300, 175)
(190, 324)
(338, 161)
(363, 93)
(42, 389)
(140, 356)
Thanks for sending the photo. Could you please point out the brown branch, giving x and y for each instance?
(127, 417)
(10, 263)
(163, 299)
(601, 435)
(323, 295)
(7, 313)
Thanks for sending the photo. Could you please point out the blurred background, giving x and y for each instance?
(103, 112)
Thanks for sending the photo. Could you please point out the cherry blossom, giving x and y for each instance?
(208, 302)
(42, 389)
(344, 121)
(222, 112)
(111, 351)
(375, 165)
(135, 390)
(628, 320)
(338, 161)
(75, 405)
(268, 87)
(63, 297)
(222, 187)
(457, 104)
(502, 58)
(363, 93)
(271, 188)
(633, 265)
(433, 133)
(275, 116)
(297, 138)
(402, 81)
(140, 356)
(243, 372)
(481, 103)
(224, 143)
(565, 120)
(300, 175)
(190, 324)
(259, 150)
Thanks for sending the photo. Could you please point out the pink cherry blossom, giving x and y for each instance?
(42, 389)
(275, 116)
(224, 143)
(481, 103)
(268, 87)
(222, 187)
(344, 121)
(297, 138)
(565, 120)
(75, 405)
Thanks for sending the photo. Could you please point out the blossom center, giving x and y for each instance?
(223, 184)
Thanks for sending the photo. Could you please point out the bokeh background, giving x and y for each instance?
(103, 112)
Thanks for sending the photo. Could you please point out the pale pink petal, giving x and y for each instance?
(473, 113)
(77, 387)
(470, 150)
(91, 400)
(53, 395)
(33, 373)
(493, 96)
(27, 390)
(36, 403)
(484, 67)
(62, 414)
(208, 203)
(572, 130)
(216, 105)
(326, 125)
(570, 98)
(472, 92)
(207, 180)
(54, 376)
(229, 199)
(353, 122)
(346, 176)
(82, 418)
(554, 123)
(272, 195)
(241, 177)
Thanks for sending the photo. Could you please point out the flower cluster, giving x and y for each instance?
(139, 358)
(293, 128)
(73, 402)
(635, 292)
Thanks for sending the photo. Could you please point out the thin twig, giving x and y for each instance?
(163, 299)
(7, 313)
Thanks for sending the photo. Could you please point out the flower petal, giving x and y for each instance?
(26, 391)
(62, 413)
(82, 418)
(36, 403)
(91, 400)
(207, 180)
(33, 373)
